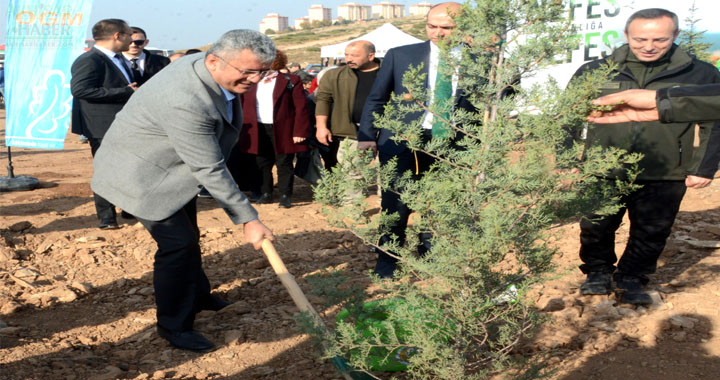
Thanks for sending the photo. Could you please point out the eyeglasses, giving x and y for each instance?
(138, 42)
(249, 73)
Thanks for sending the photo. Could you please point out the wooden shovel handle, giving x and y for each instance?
(288, 281)
(295, 292)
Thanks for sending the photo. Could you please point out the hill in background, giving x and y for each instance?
(304, 45)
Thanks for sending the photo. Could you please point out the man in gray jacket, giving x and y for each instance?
(169, 141)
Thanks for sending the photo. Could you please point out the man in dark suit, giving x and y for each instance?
(101, 84)
(143, 64)
(172, 139)
(389, 80)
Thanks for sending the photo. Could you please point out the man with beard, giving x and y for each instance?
(341, 96)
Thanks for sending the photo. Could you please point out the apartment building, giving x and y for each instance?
(354, 12)
(420, 9)
(319, 13)
(275, 22)
(388, 10)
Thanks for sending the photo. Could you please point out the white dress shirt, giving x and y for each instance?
(264, 102)
(140, 62)
(120, 64)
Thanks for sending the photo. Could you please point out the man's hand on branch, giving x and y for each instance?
(630, 105)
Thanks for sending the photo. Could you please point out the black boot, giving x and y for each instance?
(596, 283)
(631, 289)
(264, 199)
(385, 266)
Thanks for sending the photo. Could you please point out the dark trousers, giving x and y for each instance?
(652, 210)
(267, 157)
(329, 155)
(181, 285)
(417, 163)
(105, 210)
(244, 170)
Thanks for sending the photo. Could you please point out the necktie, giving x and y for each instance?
(442, 94)
(136, 70)
(124, 66)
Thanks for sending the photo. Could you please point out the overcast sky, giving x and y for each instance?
(180, 24)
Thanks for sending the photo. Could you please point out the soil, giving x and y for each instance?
(77, 302)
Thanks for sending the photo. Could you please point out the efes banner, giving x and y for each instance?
(600, 29)
(43, 39)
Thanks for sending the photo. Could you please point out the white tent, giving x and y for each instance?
(384, 38)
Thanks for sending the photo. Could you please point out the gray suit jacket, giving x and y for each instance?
(170, 140)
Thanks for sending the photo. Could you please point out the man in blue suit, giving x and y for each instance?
(397, 61)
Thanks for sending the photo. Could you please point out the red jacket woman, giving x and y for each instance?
(275, 137)
(290, 116)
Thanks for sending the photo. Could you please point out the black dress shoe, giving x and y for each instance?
(385, 266)
(213, 303)
(204, 193)
(254, 196)
(285, 202)
(264, 199)
(186, 340)
(108, 225)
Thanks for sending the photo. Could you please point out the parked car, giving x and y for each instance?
(313, 68)
(162, 52)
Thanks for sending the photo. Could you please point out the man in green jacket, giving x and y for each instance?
(341, 96)
(669, 165)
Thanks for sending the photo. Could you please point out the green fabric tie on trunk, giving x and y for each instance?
(442, 94)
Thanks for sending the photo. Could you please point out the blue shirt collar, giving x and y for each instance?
(229, 96)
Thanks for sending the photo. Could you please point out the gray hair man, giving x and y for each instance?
(169, 141)
(669, 166)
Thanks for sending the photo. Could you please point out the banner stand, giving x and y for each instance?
(16, 183)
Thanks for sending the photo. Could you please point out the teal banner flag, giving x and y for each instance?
(43, 39)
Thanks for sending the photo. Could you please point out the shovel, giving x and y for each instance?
(303, 304)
